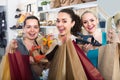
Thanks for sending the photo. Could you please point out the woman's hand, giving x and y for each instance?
(31, 59)
(87, 47)
(11, 47)
(112, 36)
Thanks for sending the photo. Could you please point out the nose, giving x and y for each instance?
(89, 23)
(59, 24)
(31, 29)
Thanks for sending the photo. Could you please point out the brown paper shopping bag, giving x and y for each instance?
(55, 3)
(58, 65)
(66, 64)
(64, 3)
(109, 61)
(91, 72)
(74, 68)
(72, 2)
(4, 68)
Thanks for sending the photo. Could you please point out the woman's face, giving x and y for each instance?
(31, 29)
(90, 22)
(64, 23)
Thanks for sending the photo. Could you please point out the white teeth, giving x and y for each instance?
(31, 34)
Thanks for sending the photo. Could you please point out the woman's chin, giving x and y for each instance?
(62, 34)
(32, 38)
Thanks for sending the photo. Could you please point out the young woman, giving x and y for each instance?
(90, 23)
(68, 24)
(31, 30)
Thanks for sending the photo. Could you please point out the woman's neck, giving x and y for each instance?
(28, 43)
(96, 32)
(64, 38)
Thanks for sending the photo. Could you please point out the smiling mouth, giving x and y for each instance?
(32, 35)
(90, 28)
(61, 30)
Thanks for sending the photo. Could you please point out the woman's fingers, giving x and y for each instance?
(112, 36)
(11, 46)
(87, 47)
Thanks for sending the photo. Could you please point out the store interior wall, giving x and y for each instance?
(10, 8)
(109, 6)
(2, 2)
(12, 5)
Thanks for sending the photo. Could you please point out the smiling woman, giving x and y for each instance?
(67, 61)
(31, 30)
(90, 24)
(68, 23)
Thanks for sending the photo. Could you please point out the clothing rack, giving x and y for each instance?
(3, 28)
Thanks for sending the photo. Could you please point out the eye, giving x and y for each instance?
(28, 26)
(92, 20)
(64, 21)
(57, 21)
(84, 22)
(36, 27)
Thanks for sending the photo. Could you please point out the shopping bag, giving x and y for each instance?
(66, 65)
(4, 68)
(88, 0)
(74, 68)
(65, 3)
(109, 61)
(72, 2)
(58, 65)
(28, 13)
(91, 72)
(19, 66)
(55, 3)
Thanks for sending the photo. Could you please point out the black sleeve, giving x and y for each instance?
(52, 53)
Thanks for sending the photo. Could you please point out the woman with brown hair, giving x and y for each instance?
(31, 30)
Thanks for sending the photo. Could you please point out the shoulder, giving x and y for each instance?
(19, 41)
(73, 37)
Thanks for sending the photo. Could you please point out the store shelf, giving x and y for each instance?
(50, 14)
(75, 7)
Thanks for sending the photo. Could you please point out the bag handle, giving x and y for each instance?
(28, 8)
